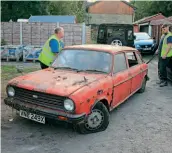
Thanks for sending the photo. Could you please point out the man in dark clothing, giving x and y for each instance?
(164, 52)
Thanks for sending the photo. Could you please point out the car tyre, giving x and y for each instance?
(143, 87)
(116, 39)
(96, 121)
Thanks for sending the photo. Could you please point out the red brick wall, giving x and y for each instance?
(111, 7)
(136, 28)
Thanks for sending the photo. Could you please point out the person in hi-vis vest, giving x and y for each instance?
(51, 48)
(165, 53)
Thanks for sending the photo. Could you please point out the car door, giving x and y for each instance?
(121, 80)
(135, 71)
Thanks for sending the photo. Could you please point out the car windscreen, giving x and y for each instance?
(142, 36)
(84, 60)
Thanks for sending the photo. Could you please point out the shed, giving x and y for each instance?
(143, 25)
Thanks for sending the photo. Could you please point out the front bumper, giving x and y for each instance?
(46, 112)
(141, 50)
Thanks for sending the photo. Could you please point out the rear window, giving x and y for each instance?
(115, 31)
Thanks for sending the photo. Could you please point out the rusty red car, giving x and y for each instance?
(82, 86)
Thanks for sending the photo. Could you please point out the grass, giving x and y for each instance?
(9, 72)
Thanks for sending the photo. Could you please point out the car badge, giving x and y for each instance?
(35, 96)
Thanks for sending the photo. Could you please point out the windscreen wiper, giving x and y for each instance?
(65, 68)
(89, 70)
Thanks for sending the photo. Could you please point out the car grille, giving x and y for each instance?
(38, 98)
(145, 46)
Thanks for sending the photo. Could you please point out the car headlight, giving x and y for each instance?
(10, 91)
(69, 105)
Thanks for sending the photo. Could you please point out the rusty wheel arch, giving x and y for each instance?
(104, 101)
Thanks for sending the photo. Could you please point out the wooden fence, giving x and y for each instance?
(15, 33)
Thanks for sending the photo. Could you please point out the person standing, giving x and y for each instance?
(51, 48)
(164, 52)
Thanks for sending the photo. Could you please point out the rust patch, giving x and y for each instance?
(64, 78)
(81, 103)
(88, 100)
(99, 92)
(15, 83)
(57, 78)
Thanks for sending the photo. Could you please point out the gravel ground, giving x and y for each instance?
(140, 125)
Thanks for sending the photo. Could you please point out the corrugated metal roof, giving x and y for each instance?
(53, 18)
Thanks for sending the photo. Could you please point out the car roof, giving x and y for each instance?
(101, 47)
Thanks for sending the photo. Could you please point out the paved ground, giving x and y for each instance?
(140, 125)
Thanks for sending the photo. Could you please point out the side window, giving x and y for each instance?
(120, 63)
(132, 59)
(109, 31)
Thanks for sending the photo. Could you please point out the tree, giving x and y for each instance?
(148, 8)
(67, 8)
(22, 9)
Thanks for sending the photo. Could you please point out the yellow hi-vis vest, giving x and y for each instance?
(165, 45)
(47, 56)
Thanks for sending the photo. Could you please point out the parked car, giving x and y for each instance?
(116, 34)
(83, 84)
(169, 70)
(144, 43)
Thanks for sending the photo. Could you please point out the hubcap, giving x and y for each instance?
(94, 120)
(116, 43)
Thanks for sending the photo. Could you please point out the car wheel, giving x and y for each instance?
(143, 87)
(97, 121)
(117, 42)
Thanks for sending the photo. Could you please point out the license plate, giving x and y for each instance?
(147, 49)
(31, 116)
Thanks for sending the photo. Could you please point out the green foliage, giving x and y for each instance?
(21, 9)
(67, 8)
(148, 8)
(24, 9)
(3, 42)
